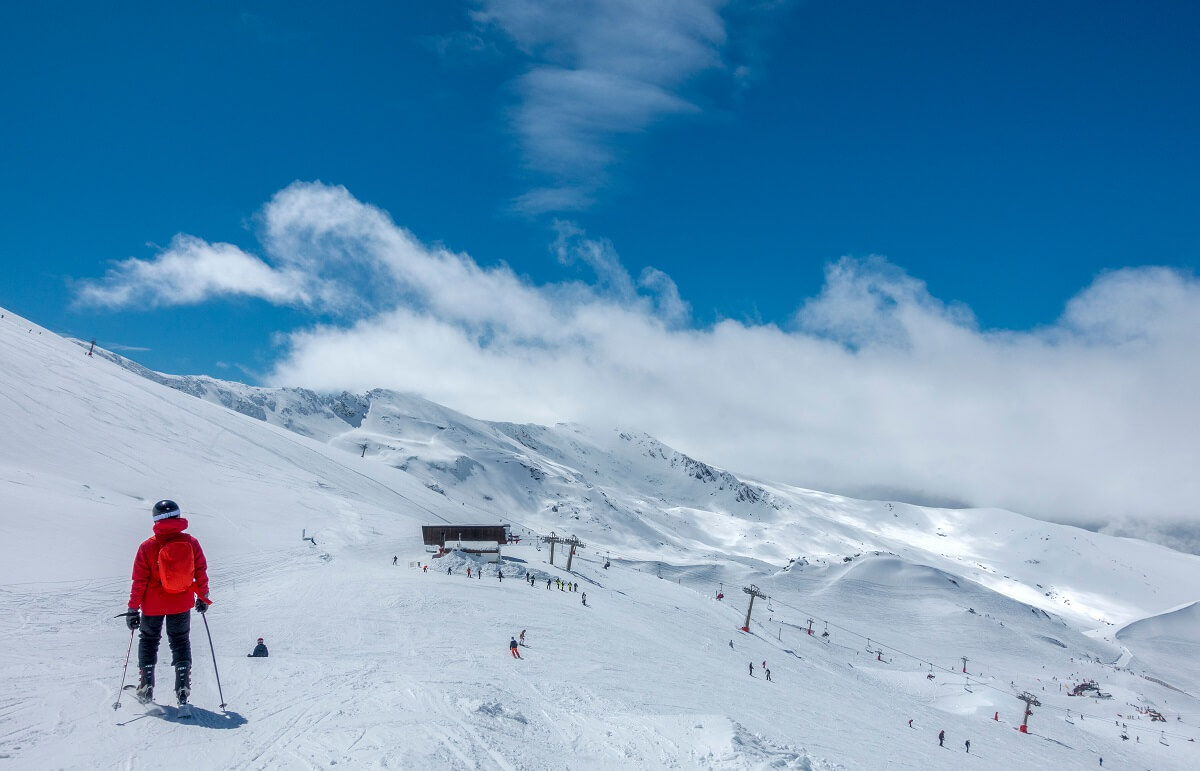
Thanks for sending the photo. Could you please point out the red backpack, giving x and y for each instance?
(176, 566)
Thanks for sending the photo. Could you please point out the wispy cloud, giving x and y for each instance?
(875, 385)
(598, 71)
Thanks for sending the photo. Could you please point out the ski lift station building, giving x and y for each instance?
(472, 539)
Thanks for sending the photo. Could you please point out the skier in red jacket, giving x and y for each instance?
(168, 572)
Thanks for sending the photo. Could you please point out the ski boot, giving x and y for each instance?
(183, 683)
(145, 688)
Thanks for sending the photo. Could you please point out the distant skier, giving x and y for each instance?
(260, 650)
(522, 636)
(449, 570)
(499, 575)
(731, 645)
(394, 559)
(169, 571)
(512, 647)
(968, 743)
(752, 669)
(910, 722)
(468, 572)
(768, 672)
(585, 598)
(941, 738)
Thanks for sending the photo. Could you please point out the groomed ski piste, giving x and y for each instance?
(381, 665)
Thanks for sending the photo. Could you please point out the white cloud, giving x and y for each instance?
(876, 385)
(190, 271)
(572, 245)
(598, 69)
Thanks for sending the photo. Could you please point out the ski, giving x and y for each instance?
(154, 709)
(140, 699)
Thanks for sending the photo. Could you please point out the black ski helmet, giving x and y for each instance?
(165, 510)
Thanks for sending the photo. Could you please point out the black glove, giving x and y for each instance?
(132, 619)
(201, 605)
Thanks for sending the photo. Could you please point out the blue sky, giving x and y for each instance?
(1023, 173)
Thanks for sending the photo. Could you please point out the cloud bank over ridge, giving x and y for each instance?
(875, 385)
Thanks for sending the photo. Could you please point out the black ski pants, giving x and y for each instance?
(179, 627)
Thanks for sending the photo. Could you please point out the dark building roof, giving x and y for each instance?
(437, 535)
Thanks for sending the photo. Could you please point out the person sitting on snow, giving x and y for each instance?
(260, 650)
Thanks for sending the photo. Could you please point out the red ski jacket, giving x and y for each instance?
(148, 593)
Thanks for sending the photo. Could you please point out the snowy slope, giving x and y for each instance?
(645, 501)
(1156, 643)
(382, 666)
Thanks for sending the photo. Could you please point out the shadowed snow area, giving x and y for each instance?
(375, 665)
(1160, 640)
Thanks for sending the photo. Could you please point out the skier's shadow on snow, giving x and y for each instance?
(205, 718)
(200, 717)
(208, 719)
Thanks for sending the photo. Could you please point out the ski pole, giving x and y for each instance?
(214, 655)
(121, 690)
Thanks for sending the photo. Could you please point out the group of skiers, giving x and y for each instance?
(471, 573)
(764, 666)
(563, 586)
(513, 645)
(530, 578)
(942, 739)
(170, 579)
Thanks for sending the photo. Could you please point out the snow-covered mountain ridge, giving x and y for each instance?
(376, 665)
(649, 502)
